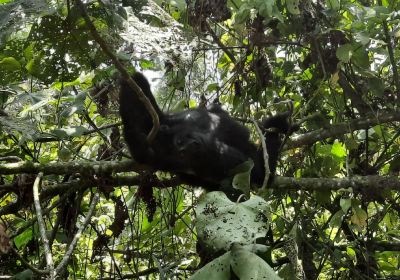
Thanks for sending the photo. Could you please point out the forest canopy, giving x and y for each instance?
(75, 204)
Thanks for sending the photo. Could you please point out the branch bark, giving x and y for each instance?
(357, 183)
(340, 129)
(42, 226)
(82, 167)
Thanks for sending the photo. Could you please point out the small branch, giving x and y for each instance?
(389, 44)
(74, 241)
(125, 75)
(219, 43)
(55, 139)
(265, 154)
(356, 99)
(27, 264)
(42, 226)
(29, 223)
(321, 60)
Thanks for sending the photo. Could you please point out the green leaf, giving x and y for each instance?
(221, 222)
(338, 149)
(359, 217)
(179, 106)
(344, 53)
(10, 64)
(212, 87)
(345, 204)
(247, 265)
(241, 262)
(362, 37)
(351, 253)
(336, 220)
(64, 154)
(241, 179)
(265, 7)
(360, 57)
(333, 5)
(73, 131)
(243, 14)
(147, 64)
(293, 6)
(218, 269)
(22, 239)
(26, 274)
(376, 86)
(33, 65)
(323, 197)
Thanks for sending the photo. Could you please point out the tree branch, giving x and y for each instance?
(357, 183)
(267, 172)
(42, 226)
(74, 241)
(340, 129)
(82, 167)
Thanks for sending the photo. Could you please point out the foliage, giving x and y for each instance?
(221, 222)
(333, 63)
(238, 262)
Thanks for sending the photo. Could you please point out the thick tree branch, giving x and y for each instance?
(107, 167)
(357, 183)
(340, 129)
(62, 168)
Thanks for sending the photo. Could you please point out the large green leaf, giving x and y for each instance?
(238, 263)
(221, 222)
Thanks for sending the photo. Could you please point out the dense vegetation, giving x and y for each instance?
(74, 205)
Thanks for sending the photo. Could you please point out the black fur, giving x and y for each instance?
(201, 145)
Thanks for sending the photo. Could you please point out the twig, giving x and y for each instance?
(125, 75)
(29, 223)
(27, 264)
(389, 44)
(219, 43)
(265, 154)
(55, 139)
(74, 241)
(42, 227)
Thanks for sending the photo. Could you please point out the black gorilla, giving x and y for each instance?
(200, 145)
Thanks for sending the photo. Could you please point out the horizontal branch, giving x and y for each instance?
(340, 129)
(357, 183)
(73, 167)
(112, 167)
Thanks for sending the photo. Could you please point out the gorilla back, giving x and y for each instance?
(200, 145)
